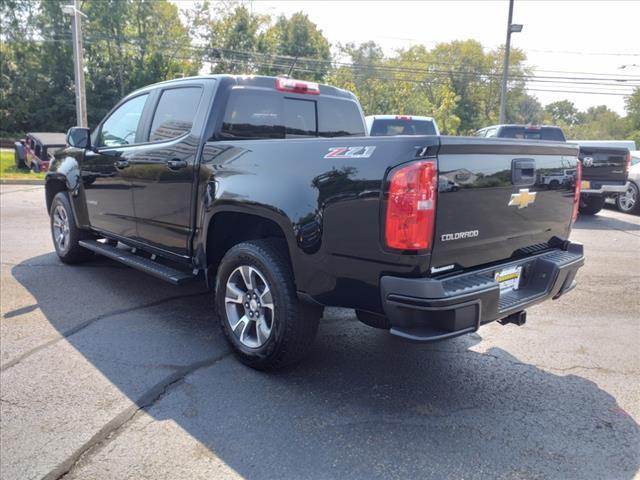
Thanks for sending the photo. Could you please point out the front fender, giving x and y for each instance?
(66, 168)
(64, 175)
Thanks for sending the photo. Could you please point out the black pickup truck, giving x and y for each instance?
(267, 189)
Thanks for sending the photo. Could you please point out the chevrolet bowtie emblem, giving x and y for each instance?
(523, 198)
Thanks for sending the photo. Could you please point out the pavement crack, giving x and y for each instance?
(20, 190)
(91, 321)
(116, 425)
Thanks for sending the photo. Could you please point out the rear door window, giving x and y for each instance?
(175, 113)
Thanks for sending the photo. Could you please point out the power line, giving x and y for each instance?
(618, 78)
(283, 62)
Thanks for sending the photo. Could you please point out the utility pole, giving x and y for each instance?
(78, 65)
(511, 28)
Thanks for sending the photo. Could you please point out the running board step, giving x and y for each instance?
(158, 270)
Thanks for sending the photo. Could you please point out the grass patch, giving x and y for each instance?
(8, 168)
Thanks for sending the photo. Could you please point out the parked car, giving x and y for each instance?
(268, 189)
(386, 125)
(525, 132)
(36, 150)
(629, 202)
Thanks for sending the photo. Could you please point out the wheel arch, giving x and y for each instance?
(231, 226)
(52, 186)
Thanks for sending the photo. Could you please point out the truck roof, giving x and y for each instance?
(261, 81)
(525, 125)
(49, 138)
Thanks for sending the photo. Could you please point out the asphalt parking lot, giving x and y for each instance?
(108, 373)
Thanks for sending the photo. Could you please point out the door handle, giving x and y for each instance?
(121, 164)
(176, 164)
(523, 171)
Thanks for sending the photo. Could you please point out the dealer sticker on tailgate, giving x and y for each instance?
(508, 278)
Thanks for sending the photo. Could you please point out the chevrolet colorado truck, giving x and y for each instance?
(267, 189)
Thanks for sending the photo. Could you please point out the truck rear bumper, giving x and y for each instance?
(600, 188)
(428, 309)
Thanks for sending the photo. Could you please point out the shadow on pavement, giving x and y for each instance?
(601, 222)
(363, 405)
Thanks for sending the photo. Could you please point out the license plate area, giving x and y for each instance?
(508, 278)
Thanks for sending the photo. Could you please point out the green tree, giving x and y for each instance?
(129, 44)
(57, 95)
(600, 123)
(20, 70)
(562, 112)
(632, 104)
(237, 40)
(299, 38)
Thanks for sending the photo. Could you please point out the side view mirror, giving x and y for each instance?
(79, 137)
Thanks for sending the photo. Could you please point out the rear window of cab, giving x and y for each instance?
(543, 133)
(256, 114)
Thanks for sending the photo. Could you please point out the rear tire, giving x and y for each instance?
(265, 323)
(65, 233)
(591, 205)
(629, 201)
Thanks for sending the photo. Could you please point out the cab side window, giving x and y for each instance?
(122, 125)
(175, 113)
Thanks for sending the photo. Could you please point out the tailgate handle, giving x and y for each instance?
(523, 171)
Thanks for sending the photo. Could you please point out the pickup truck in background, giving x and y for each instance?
(388, 125)
(268, 190)
(605, 171)
(524, 132)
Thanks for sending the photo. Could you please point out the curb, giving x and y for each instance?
(19, 181)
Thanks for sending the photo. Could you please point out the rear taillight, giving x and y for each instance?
(627, 163)
(297, 86)
(411, 206)
(403, 117)
(576, 194)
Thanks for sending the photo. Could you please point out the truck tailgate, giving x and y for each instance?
(604, 164)
(492, 204)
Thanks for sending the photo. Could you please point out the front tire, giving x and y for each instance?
(629, 201)
(591, 205)
(65, 233)
(258, 307)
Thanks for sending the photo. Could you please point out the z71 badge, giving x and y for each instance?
(350, 152)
